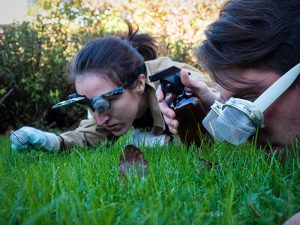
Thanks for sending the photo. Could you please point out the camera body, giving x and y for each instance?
(188, 109)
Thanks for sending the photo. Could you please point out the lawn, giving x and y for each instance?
(242, 186)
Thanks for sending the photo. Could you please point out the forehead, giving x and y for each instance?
(93, 85)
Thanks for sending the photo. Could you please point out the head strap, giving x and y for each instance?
(139, 70)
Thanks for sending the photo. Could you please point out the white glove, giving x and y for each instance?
(148, 139)
(28, 137)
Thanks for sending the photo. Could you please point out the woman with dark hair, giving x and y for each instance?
(111, 77)
(250, 46)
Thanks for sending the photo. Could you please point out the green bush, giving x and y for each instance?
(32, 62)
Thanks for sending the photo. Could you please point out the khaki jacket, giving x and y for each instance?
(90, 134)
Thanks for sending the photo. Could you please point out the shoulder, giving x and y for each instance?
(162, 63)
(159, 64)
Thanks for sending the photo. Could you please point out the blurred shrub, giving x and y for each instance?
(34, 56)
(33, 59)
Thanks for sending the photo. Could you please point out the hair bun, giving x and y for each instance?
(143, 43)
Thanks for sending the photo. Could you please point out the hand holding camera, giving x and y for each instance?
(183, 112)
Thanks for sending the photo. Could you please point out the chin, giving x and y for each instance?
(119, 132)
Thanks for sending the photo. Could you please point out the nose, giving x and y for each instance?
(101, 117)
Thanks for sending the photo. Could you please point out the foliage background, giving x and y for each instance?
(34, 55)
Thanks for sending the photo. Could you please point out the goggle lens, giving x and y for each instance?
(100, 104)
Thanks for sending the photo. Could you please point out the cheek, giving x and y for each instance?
(124, 108)
(273, 118)
(279, 120)
(280, 113)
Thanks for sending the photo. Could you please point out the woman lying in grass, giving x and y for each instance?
(247, 49)
(111, 77)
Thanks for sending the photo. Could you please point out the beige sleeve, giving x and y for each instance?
(88, 133)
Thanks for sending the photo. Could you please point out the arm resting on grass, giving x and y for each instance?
(88, 133)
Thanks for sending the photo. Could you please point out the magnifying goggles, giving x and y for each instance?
(102, 102)
(238, 119)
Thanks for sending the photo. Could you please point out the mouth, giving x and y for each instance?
(113, 127)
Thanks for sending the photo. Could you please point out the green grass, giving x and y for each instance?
(244, 186)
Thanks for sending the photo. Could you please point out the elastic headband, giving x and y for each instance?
(139, 70)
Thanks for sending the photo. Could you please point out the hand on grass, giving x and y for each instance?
(29, 137)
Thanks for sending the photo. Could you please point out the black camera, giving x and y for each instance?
(189, 110)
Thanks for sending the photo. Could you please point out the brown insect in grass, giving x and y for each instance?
(132, 162)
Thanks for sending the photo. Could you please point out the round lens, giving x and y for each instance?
(101, 104)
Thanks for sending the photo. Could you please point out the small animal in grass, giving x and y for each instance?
(132, 162)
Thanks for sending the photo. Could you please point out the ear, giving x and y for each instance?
(140, 84)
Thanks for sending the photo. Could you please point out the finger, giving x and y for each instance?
(170, 98)
(185, 79)
(18, 147)
(34, 136)
(16, 142)
(159, 94)
(172, 123)
(198, 87)
(166, 110)
(20, 136)
(188, 89)
(15, 147)
(173, 130)
(15, 138)
(191, 83)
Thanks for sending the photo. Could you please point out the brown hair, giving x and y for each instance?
(116, 57)
(261, 34)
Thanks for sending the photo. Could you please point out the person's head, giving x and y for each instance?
(250, 45)
(110, 62)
